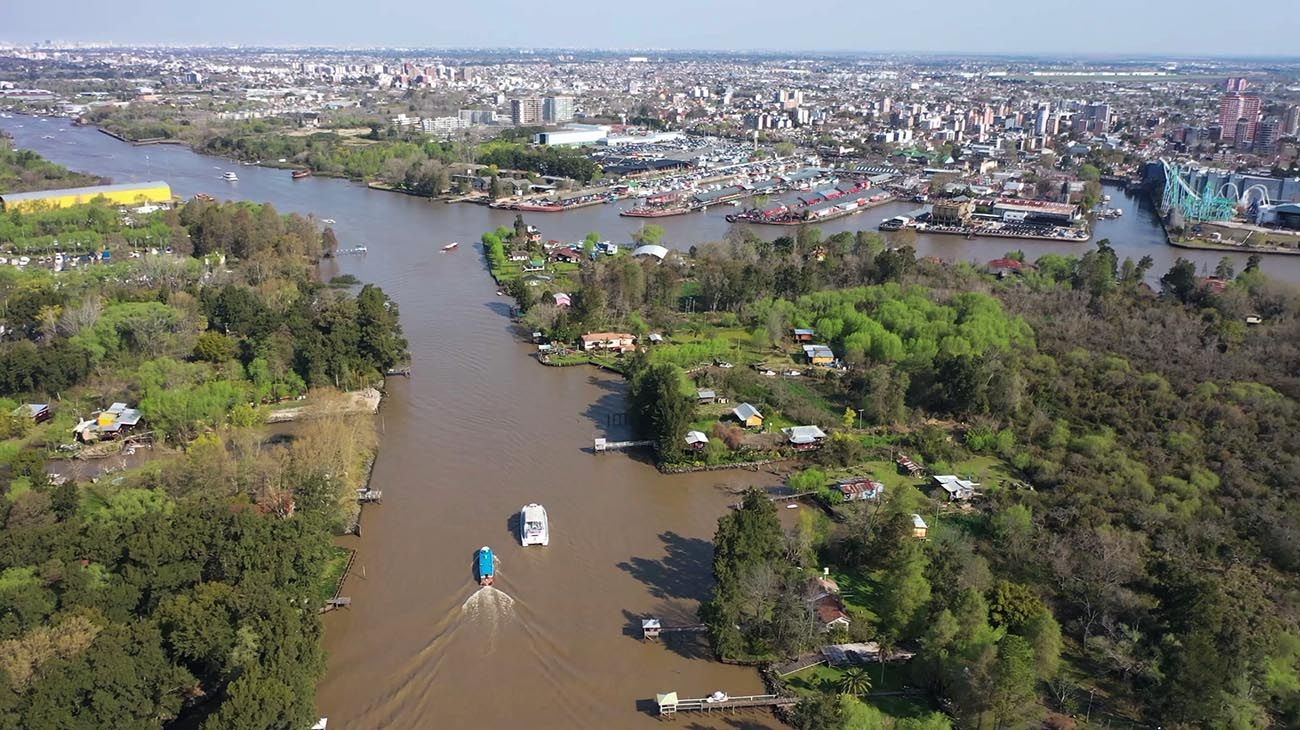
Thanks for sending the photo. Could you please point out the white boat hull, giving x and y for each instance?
(534, 527)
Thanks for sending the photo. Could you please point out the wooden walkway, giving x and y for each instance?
(651, 628)
(670, 705)
(605, 445)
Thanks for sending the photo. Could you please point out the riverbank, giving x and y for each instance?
(1247, 249)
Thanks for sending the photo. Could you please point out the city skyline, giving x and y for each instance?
(1163, 28)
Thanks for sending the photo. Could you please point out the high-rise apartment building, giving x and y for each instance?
(1291, 122)
(557, 109)
(1234, 108)
(525, 112)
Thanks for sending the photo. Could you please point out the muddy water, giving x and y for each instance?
(479, 430)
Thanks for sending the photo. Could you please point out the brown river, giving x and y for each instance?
(481, 429)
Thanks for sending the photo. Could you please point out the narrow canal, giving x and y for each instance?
(479, 430)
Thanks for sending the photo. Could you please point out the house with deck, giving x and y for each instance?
(802, 334)
(958, 489)
(114, 422)
(609, 342)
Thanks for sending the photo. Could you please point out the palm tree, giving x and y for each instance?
(855, 681)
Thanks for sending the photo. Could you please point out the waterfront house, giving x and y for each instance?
(860, 489)
(958, 489)
(748, 416)
(1003, 268)
(818, 354)
(919, 528)
(37, 412)
(115, 421)
(696, 440)
(567, 255)
(533, 265)
(562, 299)
(609, 342)
(805, 438)
(804, 335)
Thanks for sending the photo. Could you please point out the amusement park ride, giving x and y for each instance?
(1209, 205)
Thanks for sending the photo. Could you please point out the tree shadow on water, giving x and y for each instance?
(500, 307)
(685, 570)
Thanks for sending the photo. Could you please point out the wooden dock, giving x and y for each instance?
(670, 704)
(372, 496)
(652, 628)
(601, 444)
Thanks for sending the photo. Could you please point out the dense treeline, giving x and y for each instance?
(554, 161)
(1153, 564)
(187, 589)
(284, 332)
(24, 170)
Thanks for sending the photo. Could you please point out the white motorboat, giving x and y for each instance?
(230, 177)
(451, 246)
(534, 528)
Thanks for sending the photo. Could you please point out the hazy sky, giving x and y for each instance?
(1183, 27)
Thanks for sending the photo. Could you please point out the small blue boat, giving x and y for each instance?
(487, 567)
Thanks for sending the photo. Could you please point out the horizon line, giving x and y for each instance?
(1026, 54)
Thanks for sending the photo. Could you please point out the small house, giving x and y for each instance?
(748, 416)
(533, 265)
(116, 421)
(804, 335)
(705, 395)
(958, 489)
(919, 528)
(909, 467)
(818, 354)
(830, 613)
(37, 412)
(860, 489)
(805, 438)
(696, 440)
(562, 299)
(609, 342)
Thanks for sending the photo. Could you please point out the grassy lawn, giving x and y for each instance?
(334, 567)
(896, 678)
(861, 593)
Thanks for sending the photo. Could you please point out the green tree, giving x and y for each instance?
(855, 681)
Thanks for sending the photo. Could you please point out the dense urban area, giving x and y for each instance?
(1049, 488)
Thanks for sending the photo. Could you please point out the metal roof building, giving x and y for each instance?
(121, 194)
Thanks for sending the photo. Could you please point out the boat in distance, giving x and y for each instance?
(451, 246)
(534, 528)
(487, 568)
(230, 177)
(300, 174)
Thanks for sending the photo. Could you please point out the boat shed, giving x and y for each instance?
(651, 249)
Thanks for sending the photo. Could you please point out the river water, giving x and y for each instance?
(481, 429)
